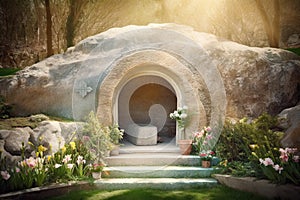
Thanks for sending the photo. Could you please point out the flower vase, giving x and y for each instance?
(205, 163)
(97, 175)
(185, 146)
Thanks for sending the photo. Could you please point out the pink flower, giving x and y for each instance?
(208, 129)
(278, 168)
(209, 137)
(18, 169)
(267, 161)
(67, 158)
(291, 150)
(296, 159)
(5, 175)
(203, 154)
(85, 138)
(284, 157)
(198, 134)
(31, 162)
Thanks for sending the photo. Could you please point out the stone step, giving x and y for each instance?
(156, 172)
(153, 159)
(154, 183)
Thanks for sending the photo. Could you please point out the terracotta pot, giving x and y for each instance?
(185, 146)
(205, 163)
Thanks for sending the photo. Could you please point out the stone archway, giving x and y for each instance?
(169, 72)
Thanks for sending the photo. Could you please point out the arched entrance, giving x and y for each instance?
(172, 53)
(148, 100)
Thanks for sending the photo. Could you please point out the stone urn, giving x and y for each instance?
(97, 175)
(185, 146)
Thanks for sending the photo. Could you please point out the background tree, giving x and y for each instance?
(49, 28)
(24, 32)
(73, 21)
(272, 21)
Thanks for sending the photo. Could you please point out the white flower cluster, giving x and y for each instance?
(180, 115)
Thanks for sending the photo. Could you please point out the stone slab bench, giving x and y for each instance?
(142, 135)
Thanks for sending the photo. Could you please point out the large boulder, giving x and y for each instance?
(50, 134)
(17, 140)
(290, 121)
(255, 79)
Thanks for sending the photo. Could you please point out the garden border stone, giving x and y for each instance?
(260, 187)
(49, 191)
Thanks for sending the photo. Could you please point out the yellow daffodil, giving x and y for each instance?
(73, 145)
(48, 158)
(63, 149)
(30, 143)
(41, 148)
(253, 146)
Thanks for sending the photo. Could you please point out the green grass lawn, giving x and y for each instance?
(218, 192)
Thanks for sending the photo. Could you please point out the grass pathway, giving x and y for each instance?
(214, 193)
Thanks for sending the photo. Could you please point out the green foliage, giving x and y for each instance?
(97, 138)
(237, 168)
(5, 109)
(236, 138)
(116, 134)
(252, 148)
(295, 50)
(8, 71)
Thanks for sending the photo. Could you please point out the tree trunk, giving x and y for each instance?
(272, 29)
(49, 29)
(70, 27)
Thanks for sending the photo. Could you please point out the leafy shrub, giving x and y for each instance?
(8, 71)
(236, 138)
(97, 138)
(252, 148)
(5, 109)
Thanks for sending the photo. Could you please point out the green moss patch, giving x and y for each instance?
(17, 122)
(8, 71)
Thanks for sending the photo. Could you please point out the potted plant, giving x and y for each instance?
(116, 135)
(206, 157)
(180, 115)
(97, 169)
(97, 139)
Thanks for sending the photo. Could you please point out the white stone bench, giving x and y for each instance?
(142, 135)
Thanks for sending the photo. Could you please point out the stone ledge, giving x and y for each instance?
(48, 191)
(260, 187)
